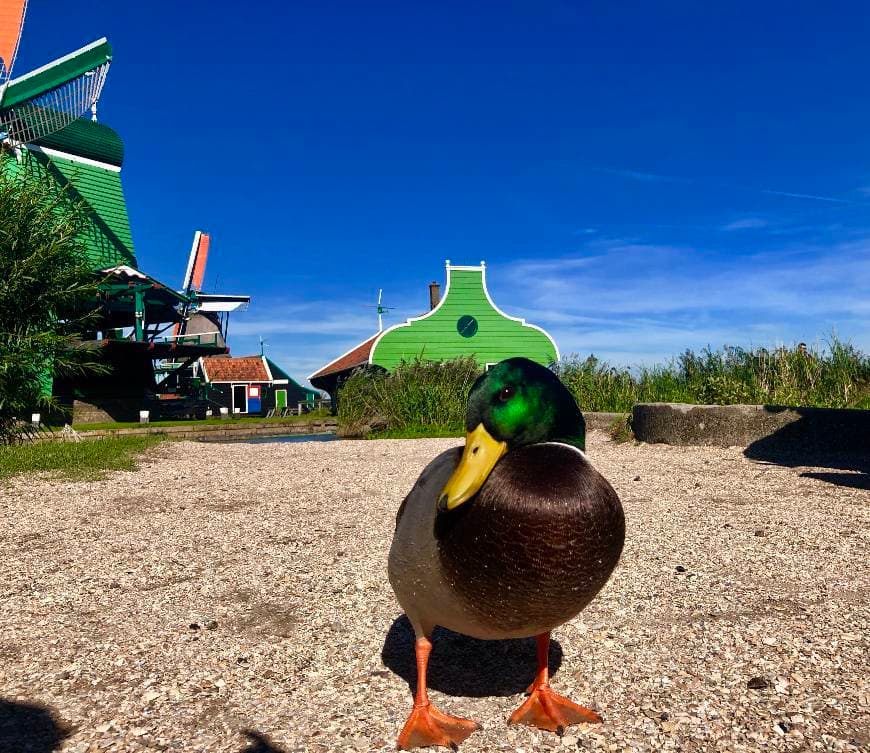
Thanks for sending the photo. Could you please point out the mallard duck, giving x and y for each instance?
(508, 537)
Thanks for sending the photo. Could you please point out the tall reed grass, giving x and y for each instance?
(417, 397)
(424, 398)
(836, 376)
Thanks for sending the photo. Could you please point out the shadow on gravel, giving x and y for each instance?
(259, 743)
(463, 666)
(838, 439)
(29, 728)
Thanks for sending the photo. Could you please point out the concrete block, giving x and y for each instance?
(818, 429)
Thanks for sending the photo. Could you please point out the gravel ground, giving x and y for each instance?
(231, 587)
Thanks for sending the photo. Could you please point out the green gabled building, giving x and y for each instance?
(464, 322)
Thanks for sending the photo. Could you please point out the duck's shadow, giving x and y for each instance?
(30, 727)
(464, 666)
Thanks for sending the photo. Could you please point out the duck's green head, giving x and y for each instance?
(516, 403)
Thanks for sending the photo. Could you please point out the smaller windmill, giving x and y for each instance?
(381, 309)
(204, 319)
(209, 313)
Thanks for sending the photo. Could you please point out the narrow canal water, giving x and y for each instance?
(290, 438)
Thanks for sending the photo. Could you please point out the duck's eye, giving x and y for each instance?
(506, 393)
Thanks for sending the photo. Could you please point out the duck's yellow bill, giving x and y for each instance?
(481, 454)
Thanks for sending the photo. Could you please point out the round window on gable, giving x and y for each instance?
(466, 326)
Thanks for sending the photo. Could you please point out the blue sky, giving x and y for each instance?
(640, 178)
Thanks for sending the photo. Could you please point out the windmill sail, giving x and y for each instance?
(53, 96)
(195, 273)
(11, 23)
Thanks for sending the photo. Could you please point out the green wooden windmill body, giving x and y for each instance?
(466, 322)
(84, 160)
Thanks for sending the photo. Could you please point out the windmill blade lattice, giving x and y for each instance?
(52, 97)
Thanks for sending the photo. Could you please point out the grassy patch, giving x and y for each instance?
(112, 425)
(89, 459)
(620, 430)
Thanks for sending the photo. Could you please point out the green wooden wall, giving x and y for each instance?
(465, 323)
(107, 237)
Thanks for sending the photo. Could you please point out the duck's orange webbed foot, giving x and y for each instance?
(544, 707)
(428, 726)
(547, 709)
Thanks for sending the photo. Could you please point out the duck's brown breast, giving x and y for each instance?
(536, 544)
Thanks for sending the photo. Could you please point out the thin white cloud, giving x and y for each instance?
(645, 177)
(278, 317)
(812, 196)
(747, 223)
(655, 280)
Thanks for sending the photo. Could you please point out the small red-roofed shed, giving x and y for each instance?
(251, 385)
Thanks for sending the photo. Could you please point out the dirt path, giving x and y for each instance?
(229, 587)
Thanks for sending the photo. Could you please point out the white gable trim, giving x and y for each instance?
(54, 63)
(72, 157)
(268, 370)
(522, 321)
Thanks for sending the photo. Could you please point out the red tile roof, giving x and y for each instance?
(243, 369)
(353, 358)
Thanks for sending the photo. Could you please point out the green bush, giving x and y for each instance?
(417, 397)
(47, 293)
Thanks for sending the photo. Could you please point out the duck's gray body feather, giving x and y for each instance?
(526, 554)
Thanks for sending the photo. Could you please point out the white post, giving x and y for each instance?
(209, 413)
(225, 413)
(35, 418)
(144, 416)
